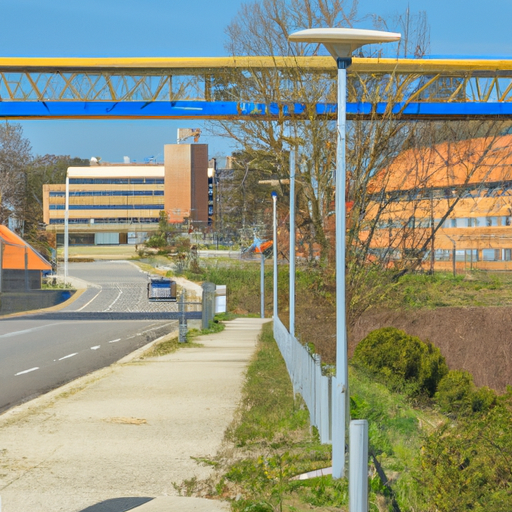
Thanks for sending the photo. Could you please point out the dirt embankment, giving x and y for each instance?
(478, 340)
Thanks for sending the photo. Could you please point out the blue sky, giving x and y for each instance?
(172, 28)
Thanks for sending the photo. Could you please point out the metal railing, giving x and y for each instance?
(305, 370)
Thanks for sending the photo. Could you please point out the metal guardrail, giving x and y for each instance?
(305, 372)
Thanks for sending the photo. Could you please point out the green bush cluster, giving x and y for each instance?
(156, 241)
(403, 362)
(465, 464)
(458, 396)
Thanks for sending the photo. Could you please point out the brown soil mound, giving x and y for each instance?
(478, 340)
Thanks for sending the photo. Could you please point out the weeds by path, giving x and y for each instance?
(170, 344)
(269, 443)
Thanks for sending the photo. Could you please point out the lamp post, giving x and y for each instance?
(293, 164)
(274, 249)
(341, 42)
(66, 231)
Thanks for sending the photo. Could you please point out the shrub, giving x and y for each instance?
(457, 395)
(454, 392)
(484, 399)
(156, 241)
(402, 362)
(465, 464)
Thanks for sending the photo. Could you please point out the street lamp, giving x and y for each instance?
(341, 42)
(66, 231)
(274, 249)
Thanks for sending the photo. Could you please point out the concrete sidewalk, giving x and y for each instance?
(121, 438)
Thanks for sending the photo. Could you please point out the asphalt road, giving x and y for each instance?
(39, 353)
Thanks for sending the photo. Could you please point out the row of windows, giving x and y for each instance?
(116, 181)
(101, 193)
(108, 207)
(468, 222)
(491, 190)
(472, 255)
(118, 220)
(463, 255)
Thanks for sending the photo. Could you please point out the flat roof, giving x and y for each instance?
(116, 171)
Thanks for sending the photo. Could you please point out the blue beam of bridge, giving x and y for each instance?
(241, 110)
(192, 88)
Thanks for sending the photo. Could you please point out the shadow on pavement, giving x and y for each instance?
(117, 505)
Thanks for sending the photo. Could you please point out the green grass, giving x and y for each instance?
(275, 413)
(167, 346)
(396, 433)
(171, 344)
(275, 443)
(270, 442)
(445, 290)
(411, 291)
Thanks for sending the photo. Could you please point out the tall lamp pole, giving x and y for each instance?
(341, 42)
(274, 251)
(293, 255)
(66, 231)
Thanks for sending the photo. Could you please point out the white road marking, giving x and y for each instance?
(115, 300)
(68, 356)
(25, 331)
(115, 341)
(92, 348)
(90, 301)
(27, 371)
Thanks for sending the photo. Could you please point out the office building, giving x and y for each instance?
(122, 203)
(464, 189)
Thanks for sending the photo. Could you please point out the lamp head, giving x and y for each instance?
(341, 42)
(274, 195)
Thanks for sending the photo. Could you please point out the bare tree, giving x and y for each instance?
(373, 144)
(42, 170)
(262, 28)
(15, 157)
(402, 205)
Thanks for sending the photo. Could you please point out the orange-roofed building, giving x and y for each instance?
(462, 191)
(21, 265)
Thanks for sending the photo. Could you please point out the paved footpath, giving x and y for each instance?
(119, 439)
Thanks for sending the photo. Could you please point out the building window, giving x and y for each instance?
(471, 254)
(488, 221)
(491, 254)
(108, 207)
(385, 253)
(460, 255)
(111, 220)
(442, 255)
(102, 193)
(506, 221)
(423, 223)
(116, 181)
(506, 255)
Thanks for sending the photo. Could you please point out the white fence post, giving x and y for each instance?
(358, 466)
